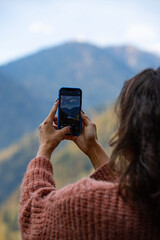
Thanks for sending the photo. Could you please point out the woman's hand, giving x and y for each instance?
(88, 136)
(50, 137)
(88, 143)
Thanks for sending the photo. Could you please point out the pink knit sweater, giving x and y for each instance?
(89, 209)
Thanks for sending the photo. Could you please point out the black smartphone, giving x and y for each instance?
(70, 102)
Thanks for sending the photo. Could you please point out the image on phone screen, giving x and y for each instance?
(69, 110)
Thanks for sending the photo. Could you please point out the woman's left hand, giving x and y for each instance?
(50, 137)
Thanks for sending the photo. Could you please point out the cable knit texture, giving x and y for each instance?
(89, 209)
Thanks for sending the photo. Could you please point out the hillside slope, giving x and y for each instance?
(20, 112)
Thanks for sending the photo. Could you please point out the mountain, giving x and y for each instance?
(29, 85)
(70, 112)
(20, 112)
(9, 229)
(135, 59)
(100, 72)
(13, 163)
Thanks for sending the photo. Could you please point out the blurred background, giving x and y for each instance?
(92, 44)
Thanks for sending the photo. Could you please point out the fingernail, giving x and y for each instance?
(83, 112)
(56, 100)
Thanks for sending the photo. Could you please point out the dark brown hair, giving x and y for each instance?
(136, 144)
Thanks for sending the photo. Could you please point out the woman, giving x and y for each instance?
(121, 199)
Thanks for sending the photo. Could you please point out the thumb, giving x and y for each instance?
(64, 131)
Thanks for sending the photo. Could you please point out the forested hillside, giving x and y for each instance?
(20, 111)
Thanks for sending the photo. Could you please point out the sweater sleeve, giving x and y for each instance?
(38, 183)
(105, 173)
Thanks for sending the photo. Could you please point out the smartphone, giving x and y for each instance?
(70, 102)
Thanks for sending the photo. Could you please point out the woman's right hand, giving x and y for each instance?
(88, 136)
(87, 141)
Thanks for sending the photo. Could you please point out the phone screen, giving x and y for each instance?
(69, 109)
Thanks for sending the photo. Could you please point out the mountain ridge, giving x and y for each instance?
(45, 48)
(29, 85)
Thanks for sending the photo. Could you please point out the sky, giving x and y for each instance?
(27, 26)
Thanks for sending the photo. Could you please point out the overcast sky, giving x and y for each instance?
(29, 25)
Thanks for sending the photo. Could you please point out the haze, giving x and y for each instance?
(27, 26)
